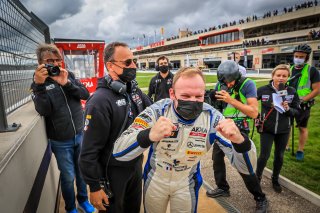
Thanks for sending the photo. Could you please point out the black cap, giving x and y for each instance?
(305, 48)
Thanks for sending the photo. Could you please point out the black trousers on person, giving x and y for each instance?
(126, 186)
(219, 169)
(266, 141)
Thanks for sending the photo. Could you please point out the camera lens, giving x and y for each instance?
(55, 71)
(52, 70)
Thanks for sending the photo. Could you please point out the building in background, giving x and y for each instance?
(264, 41)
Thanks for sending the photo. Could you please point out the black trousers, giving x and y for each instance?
(219, 169)
(266, 141)
(126, 186)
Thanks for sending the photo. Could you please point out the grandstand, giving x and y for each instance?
(266, 41)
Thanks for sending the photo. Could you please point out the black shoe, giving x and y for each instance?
(262, 206)
(276, 186)
(218, 192)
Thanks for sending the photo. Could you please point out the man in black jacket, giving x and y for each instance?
(161, 83)
(56, 95)
(109, 111)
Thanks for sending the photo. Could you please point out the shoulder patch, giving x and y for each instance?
(265, 98)
(140, 122)
(50, 87)
(121, 102)
(145, 116)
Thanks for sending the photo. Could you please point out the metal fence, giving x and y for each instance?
(20, 34)
(14, 87)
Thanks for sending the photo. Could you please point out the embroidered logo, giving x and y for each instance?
(51, 86)
(265, 98)
(121, 102)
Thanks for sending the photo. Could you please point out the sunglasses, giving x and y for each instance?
(51, 61)
(128, 62)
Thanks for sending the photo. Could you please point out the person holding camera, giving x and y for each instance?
(56, 95)
(179, 131)
(109, 111)
(161, 83)
(236, 96)
(307, 87)
(275, 125)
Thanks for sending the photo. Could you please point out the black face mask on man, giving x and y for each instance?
(128, 74)
(164, 69)
(189, 110)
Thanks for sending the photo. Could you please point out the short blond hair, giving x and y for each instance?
(187, 72)
(281, 67)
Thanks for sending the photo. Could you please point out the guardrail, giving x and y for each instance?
(21, 33)
(14, 92)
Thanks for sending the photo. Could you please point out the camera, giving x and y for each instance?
(258, 123)
(52, 70)
(105, 185)
(210, 98)
(307, 105)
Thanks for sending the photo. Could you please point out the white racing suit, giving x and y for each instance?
(172, 171)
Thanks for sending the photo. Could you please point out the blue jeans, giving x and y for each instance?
(67, 154)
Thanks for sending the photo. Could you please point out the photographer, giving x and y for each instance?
(307, 87)
(56, 95)
(275, 126)
(237, 96)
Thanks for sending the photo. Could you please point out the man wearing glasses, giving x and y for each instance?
(56, 95)
(109, 111)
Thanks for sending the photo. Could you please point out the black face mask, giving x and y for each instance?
(164, 69)
(128, 74)
(189, 110)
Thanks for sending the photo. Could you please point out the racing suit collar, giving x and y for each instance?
(181, 119)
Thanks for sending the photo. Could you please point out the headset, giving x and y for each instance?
(116, 86)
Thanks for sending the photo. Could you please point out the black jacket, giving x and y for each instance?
(159, 87)
(61, 107)
(277, 123)
(105, 115)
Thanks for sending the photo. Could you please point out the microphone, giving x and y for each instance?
(295, 76)
(282, 91)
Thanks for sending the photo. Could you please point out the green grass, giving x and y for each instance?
(306, 173)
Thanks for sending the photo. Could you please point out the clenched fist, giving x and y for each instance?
(162, 128)
(228, 129)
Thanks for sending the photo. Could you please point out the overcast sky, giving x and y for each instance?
(128, 20)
